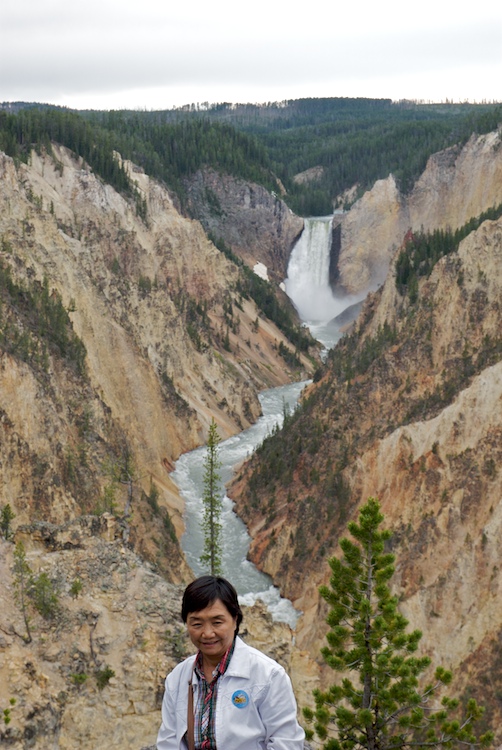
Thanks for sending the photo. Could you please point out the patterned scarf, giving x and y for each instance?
(205, 707)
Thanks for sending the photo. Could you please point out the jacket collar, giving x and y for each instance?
(240, 665)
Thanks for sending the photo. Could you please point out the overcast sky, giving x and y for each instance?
(153, 54)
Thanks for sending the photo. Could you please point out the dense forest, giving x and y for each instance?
(350, 142)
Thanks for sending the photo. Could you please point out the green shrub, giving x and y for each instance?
(7, 515)
(76, 588)
(79, 678)
(44, 596)
(103, 677)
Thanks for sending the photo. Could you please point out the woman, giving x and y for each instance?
(228, 696)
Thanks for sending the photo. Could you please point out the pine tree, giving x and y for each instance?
(23, 583)
(7, 515)
(212, 504)
(386, 708)
(45, 598)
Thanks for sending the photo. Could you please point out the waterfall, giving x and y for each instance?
(308, 287)
(307, 283)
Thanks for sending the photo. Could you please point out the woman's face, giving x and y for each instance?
(212, 630)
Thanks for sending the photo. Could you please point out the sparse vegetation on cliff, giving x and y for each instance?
(34, 321)
(250, 286)
(422, 250)
(7, 515)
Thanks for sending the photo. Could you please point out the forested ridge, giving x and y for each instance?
(354, 141)
(357, 141)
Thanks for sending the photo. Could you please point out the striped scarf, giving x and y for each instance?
(205, 707)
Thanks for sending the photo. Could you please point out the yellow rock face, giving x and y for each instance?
(456, 186)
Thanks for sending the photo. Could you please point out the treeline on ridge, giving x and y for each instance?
(170, 151)
(361, 141)
(354, 141)
(38, 128)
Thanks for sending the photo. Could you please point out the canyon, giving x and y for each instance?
(407, 409)
(420, 428)
(122, 339)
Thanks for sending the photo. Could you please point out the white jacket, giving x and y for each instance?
(255, 705)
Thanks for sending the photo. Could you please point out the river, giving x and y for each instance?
(309, 289)
(251, 584)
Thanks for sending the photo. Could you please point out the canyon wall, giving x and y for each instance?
(122, 337)
(150, 302)
(407, 409)
(257, 225)
(457, 185)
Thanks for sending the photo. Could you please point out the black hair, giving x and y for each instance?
(204, 591)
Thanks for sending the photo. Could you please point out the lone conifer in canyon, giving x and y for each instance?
(386, 707)
(212, 503)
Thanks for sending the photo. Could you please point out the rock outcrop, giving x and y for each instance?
(93, 674)
(253, 222)
(457, 185)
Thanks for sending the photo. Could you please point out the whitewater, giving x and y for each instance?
(251, 584)
(307, 283)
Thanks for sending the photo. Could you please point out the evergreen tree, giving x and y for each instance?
(212, 504)
(386, 708)
(23, 583)
(44, 596)
(7, 515)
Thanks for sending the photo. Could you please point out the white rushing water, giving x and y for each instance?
(307, 283)
(250, 583)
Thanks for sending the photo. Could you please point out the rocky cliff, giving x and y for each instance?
(257, 225)
(93, 674)
(168, 344)
(407, 408)
(121, 336)
(457, 184)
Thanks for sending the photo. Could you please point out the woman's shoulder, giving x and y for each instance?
(256, 656)
(183, 669)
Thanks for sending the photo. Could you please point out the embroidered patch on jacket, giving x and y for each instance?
(240, 699)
